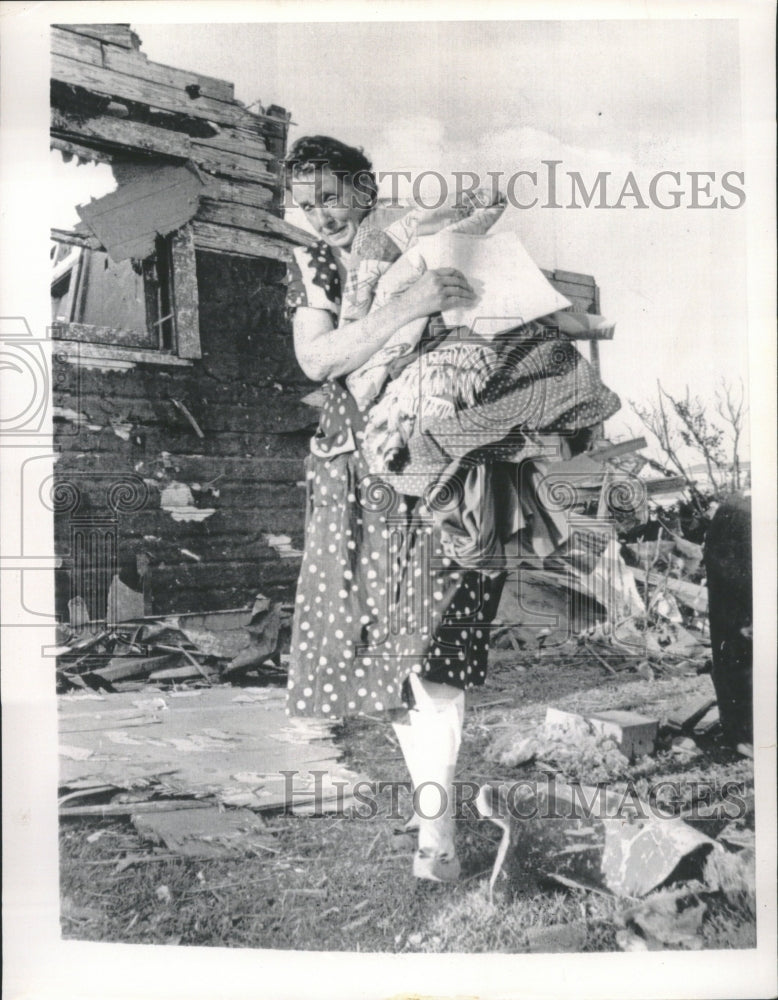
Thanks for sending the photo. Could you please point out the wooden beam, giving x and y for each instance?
(74, 351)
(239, 242)
(573, 277)
(76, 239)
(691, 594)
(256, 220)
(137, 64)
(232, 164)
(609, 451)
(185, 296)
(76, 46)
(122, 133)
(82, 150)
(122, 86)
(672, 484)
(232, 141)
(113, 34)
(76, 135)
(242, 192)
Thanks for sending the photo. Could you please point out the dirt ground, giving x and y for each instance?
(338, 882)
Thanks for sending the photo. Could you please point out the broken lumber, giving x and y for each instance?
(609, 451)
(152, 93)
(130, 808)
(121, 668)
(692, 595)
(686, 716)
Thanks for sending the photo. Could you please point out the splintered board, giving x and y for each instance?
(228, 743)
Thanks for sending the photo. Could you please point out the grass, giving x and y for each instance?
(343, 884)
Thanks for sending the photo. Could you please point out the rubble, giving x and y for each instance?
(185, 771)
(635, 735)
(206, 832)
(169, 650)
(643, 855)
(667, 919)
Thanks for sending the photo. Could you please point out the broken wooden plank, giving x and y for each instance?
(157, 202)
(76, 46)
(234, 140)
(686, 716)
(80, 150)
(608, 451)
(240, 242)
(185, 673)
(574, 277)
(86, 240)
(185, 295)
(110, 83)
(129, 808)
(112, 34)
(257, 193)
(121, 668)
(690, 594)
(138, 64)
(257, 220)
(74, 134)
(74, 351)
(670, 484)
(123, 133)
(232, 163)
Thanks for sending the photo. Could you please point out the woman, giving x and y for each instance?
(384, 621)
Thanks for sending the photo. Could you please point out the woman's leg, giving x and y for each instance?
(430, 743)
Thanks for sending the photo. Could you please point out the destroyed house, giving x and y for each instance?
(178, 423)
(180, 426)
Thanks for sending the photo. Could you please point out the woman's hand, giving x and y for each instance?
(436, 291)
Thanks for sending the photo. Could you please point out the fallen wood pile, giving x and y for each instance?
(626, 587)
(201, 649)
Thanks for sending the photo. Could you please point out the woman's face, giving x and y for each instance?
(331, 205)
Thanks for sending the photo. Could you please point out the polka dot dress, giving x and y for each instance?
(377, 599)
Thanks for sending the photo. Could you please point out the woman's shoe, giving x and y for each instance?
(436, 867)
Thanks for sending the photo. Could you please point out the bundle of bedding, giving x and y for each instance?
(501, 360)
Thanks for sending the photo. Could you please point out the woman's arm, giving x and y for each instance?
(324, 356)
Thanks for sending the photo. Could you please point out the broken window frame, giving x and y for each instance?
(180, 346)
(179, 305)
(155, 331)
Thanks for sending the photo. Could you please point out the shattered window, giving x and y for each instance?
(97, 300)
(122, 260)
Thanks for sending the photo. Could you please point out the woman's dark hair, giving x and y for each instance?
(313, 152)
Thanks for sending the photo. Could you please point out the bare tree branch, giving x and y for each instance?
(732, 409)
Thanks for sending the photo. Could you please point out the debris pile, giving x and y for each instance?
(660, 872)
(628, 583)
(183, 765)
(241, 645)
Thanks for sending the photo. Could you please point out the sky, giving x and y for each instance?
(599, 96)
